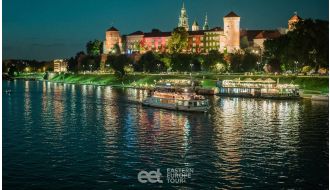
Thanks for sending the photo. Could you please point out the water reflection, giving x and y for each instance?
(239, 143)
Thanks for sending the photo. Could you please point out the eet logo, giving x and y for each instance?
(152, 176)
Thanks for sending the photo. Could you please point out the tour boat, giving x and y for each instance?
(259, 88)
(177, 99)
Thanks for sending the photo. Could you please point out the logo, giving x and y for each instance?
(152, 176)
(174, 175)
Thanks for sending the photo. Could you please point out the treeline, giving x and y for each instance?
(152, 62)
(17, 66)
(302, 49)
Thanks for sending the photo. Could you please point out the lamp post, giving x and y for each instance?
(296, 64)
(158, 65)
(191, 66)
(258, 63)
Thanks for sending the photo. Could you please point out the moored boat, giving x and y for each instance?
(180, 99)
(259, 88)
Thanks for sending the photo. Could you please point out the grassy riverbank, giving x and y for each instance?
(313, 85)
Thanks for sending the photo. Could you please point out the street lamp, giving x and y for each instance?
(191, 66)
(158, 65)
(296, 64)
(258, 63)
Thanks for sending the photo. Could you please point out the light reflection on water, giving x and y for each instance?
(93, 137)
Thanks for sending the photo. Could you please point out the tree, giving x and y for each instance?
(181, 62)
(150, 62)
(307, 44)
(244, 42)
(178, 41)
(236, 61)
(118, 64)
(94, 48)
(212, 59)
(12, 70)
(249, 62)
(90, 63)
(167, 60)
(116, 50)
(72, 64)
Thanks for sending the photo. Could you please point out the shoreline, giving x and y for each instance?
(303, 95)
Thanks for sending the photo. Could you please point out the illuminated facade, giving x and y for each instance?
(226, 39)
(112, 38)
(195, 26)
(232, 32)
(60, 65)
(206, 23)
(183, 18)
(292, 21)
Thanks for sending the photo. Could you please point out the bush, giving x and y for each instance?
(306, 69)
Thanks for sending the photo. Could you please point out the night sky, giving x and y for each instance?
(49, 29)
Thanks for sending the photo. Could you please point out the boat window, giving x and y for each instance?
(185, 103)
(180, 103)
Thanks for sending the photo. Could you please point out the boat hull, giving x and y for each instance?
(276, 97)
(175, 107)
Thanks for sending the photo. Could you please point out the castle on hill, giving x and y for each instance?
(200, 39)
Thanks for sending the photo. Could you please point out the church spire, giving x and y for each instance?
(206, 24)
(183, 19)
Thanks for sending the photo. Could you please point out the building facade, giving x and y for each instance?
(232, 32)
(292, 21)
(183, 18)
(112, 39)
(60, 65)
(200, 40)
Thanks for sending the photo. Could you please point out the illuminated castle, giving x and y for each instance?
(200, 40)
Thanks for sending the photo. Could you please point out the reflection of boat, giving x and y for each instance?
(258, 89)
(182, 99)
(320, 97)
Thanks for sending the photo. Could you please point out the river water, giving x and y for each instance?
(63, 136)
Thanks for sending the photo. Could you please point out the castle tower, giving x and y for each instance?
(195, 26)
(112, 37)
(183, 19)
(232, 31)
(206, 24)
(292, 21)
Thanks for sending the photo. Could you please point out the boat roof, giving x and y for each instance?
(269, 80)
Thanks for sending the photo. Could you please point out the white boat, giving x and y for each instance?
(177, 100)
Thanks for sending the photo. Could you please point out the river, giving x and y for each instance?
(65, 136)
